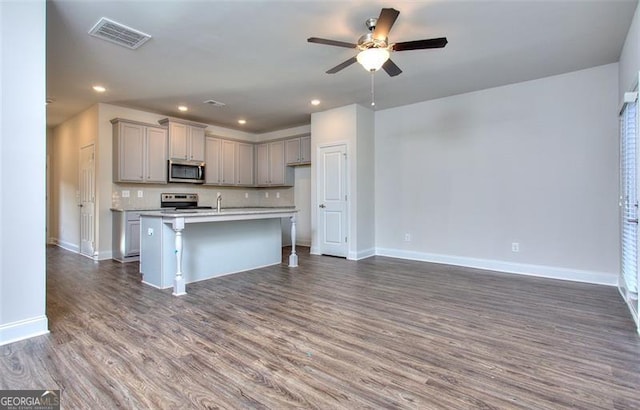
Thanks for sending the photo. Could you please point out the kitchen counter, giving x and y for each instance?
(134, 209)
(180, 246)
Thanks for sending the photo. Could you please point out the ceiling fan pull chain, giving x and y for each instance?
(373, 95)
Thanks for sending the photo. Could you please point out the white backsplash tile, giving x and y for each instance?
(231, 197)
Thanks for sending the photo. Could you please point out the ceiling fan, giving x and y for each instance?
(374, 46)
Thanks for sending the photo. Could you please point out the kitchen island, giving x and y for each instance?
(184, 246)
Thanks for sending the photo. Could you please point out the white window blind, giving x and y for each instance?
(628, 165)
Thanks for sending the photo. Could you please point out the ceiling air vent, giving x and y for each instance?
(119, 33)
(215, 103)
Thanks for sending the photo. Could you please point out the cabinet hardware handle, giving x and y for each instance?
(322, 206)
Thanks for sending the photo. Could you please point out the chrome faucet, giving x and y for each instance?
(219, 202)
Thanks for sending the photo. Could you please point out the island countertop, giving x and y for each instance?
(225, 214)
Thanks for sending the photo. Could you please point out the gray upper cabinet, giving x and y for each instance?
(271, 167)
(139, 152)
(186, 139)
(298, 151)
(212, 174)
(228, 162)
(244, 164)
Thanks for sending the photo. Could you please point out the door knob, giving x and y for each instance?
(322, 206)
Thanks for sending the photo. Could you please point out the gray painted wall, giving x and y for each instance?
(630, 57)
(22, 136)
(534, 163)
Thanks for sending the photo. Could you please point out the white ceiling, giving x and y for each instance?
(253, 55)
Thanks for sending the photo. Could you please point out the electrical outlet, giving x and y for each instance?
(125, 193)
(150, 231)
(266, 194)
(140, 194)
(407, 237)
(515, 247)
(246, 195)
(278, 195)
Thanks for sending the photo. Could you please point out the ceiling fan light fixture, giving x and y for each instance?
(373, 58)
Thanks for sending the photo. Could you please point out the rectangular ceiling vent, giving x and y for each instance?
(119, 33)
(215, 103)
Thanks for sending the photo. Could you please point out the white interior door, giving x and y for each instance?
(87, 200)
(332, 201)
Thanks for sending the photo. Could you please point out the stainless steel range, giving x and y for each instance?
(180, 201)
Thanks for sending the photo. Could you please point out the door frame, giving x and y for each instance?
(632, 302)
(315, 246)
(94, 254)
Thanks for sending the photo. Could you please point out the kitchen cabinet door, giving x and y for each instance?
(228, 162)
(272, 170)
(178, 140)
(244, 164)
(132, 242)
(276, 163)
(213, 161)
(139, 152)
(292, 151)
(196, 144)
(186, 139)
(156, 155)
(298, 151)
(130, 146)
(305, 149)
(262, 163)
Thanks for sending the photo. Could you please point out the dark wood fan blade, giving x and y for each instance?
(342, 65)
(420, 44)
(384, 23)
(331, 42)
(391, 68)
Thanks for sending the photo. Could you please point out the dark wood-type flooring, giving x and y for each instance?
(332, 334)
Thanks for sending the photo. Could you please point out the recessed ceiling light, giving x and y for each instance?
(99, 89)
(183, 108)
(242, 122)
(315, 102)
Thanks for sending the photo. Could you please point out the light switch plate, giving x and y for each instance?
(140, 194)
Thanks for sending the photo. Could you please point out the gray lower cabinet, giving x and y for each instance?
(126, 235)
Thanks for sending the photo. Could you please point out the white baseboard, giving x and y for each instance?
(97, 256)
(314, 250)
(23, 329)
(68, 246)
(357, 255)
(104, 255)
(298, 243)
(552, 272)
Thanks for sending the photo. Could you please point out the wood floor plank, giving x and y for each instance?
(331, 334)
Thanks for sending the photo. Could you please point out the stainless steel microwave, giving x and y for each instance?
(181, 170)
